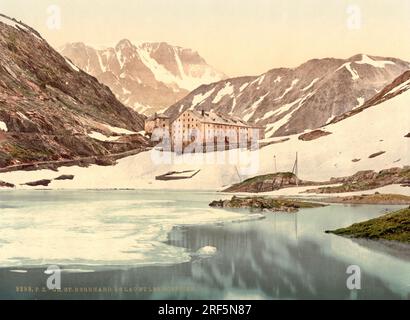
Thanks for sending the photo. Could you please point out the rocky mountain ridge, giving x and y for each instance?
(291, 100)
(148, 77)
(50, 110)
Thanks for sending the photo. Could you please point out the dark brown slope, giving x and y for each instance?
(49, 106)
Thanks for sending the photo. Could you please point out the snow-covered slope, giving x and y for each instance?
(382, 127)
(149, 76)
(289, 101)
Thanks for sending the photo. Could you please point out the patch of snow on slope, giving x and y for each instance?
(271, 128)
(375, 63)
(266, 115)
(118, 130)
(294, 82)
(282, 109)
(12, 23)
(102, 66)
(261, 79)
(22, 115)
(226, 90)
(253, 108)
(199, 75)
(160, 72)
(311, 84)
(141, 108)
(404, 86)
(330, 119)
(200, 97)
(243, 86)
(125, 91)
(120, 58)
(3, 126)
(360, 102)
(348, 66)
(101, 137)
(72, 65)
(233, 106)
(179, 63)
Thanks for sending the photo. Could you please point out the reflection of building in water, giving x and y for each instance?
(206, 127)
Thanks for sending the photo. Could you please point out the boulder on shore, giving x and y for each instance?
(313, 135)
(65, 177)
(4, 184)
(43, 182)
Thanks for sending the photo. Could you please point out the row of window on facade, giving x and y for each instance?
(208, 125)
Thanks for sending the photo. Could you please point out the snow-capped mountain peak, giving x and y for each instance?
(365, 59)
(145, 76)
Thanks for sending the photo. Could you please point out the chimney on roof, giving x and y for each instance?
(203, 112)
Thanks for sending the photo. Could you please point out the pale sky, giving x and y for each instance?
(238, 37)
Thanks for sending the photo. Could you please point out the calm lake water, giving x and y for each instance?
(142, 245)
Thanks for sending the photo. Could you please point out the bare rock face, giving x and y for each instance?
(367, 180)
(65, 177)
(44, 183)
(49, 107)
(313, 135)
(290, 101)
(376, 154)
(398, 86)
(4, 184)
(148, 77)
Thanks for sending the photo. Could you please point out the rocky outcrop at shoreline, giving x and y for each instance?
(393, 226)
(360, 181)
(270, 182)
(376, 198)
(265, 204)
(367, 180)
